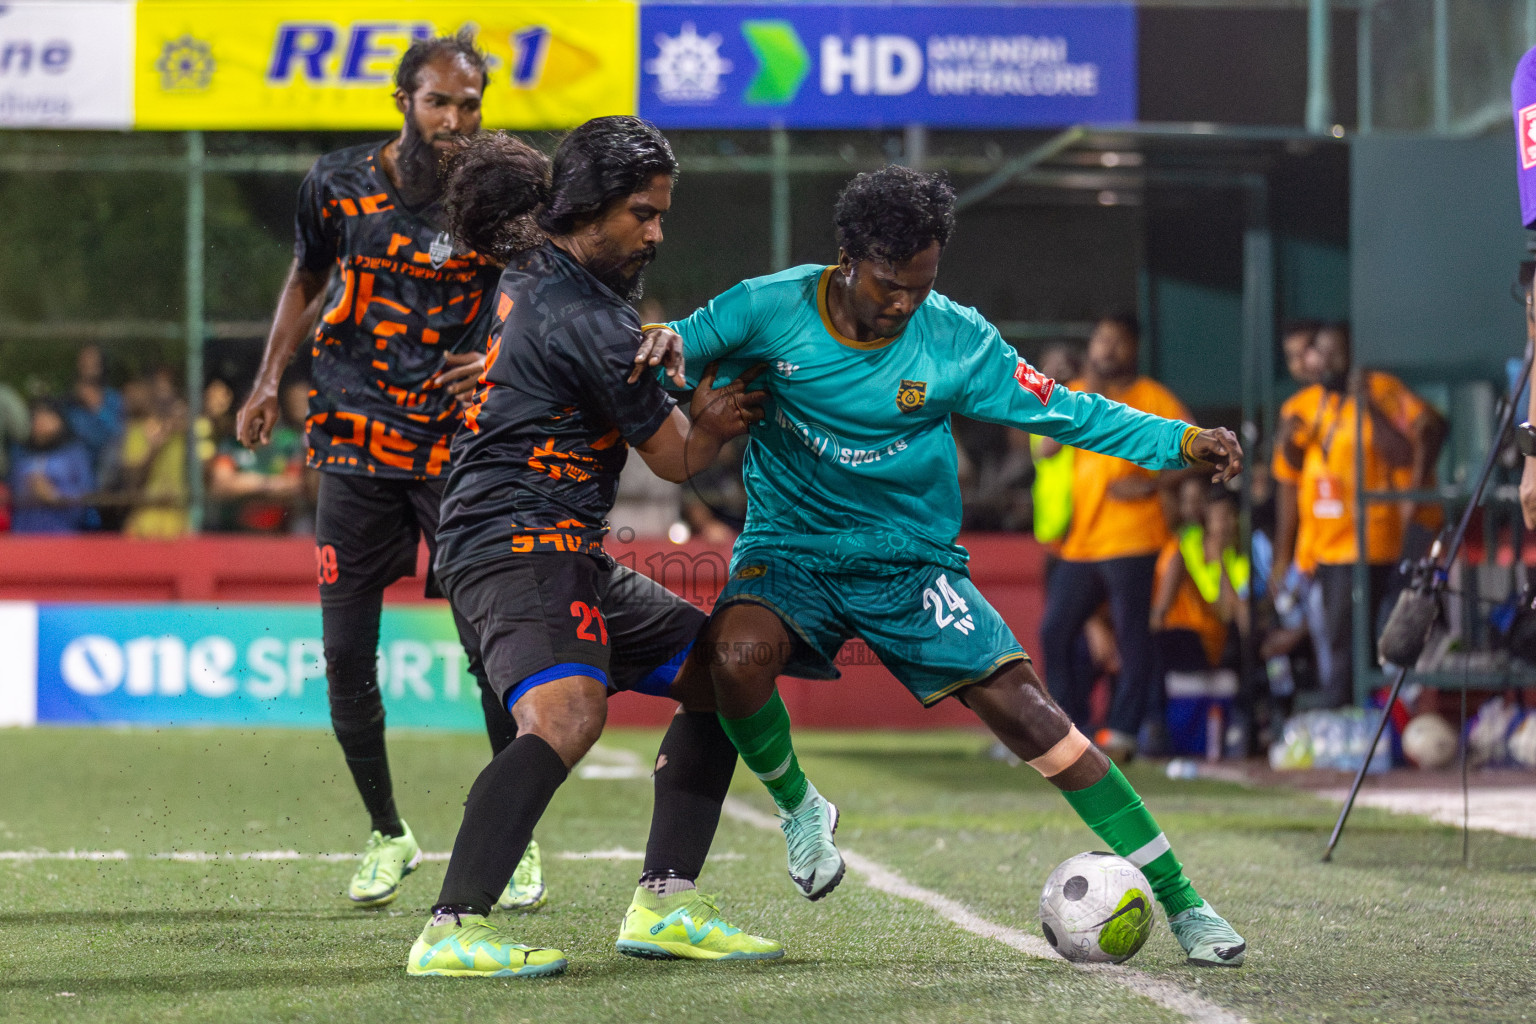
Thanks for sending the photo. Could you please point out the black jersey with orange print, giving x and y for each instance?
(536, 468)
(401, 297)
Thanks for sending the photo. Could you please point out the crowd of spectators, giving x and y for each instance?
(98, 457)
(1150, 593)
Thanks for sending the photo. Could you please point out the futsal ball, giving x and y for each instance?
(1522, 742)
(1429, 741)
(1096, 908)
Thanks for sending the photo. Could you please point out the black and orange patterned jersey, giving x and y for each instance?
(401, 296)
(536, 467)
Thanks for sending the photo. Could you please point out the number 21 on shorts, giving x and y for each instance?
(949, 608)
(589, 616)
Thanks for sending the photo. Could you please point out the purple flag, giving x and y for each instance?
(1523, 92)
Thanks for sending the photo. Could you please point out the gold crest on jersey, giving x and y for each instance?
(911, 395)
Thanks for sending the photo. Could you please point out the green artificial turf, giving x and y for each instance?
(1396, 930)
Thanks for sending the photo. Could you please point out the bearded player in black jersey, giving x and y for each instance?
(520, 544)
(395, 357)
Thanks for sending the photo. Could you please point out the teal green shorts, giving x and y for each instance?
(929, 625)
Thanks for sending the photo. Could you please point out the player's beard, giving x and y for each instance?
(626, 277)
(418, 165)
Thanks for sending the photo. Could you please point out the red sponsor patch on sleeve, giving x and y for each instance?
(1033, 381)
(1527, 138)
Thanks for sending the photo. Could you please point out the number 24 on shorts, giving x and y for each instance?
(947, 605)
(588, 616)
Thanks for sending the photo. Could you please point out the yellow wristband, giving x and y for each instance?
(1184, 443)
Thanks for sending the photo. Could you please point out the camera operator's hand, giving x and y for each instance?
(1528, 494)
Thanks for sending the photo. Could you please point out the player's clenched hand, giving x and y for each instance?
(729, 410)
(460, 375)
(1218, 447)
(257, 417)
(660, 346)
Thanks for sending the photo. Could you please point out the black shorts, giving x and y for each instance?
(542, 617)
(367, 531)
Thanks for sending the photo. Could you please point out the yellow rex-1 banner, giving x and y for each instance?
(328, 65)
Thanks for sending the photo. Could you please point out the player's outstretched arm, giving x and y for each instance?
(680, 447)
(297, 306)
(1001, 387)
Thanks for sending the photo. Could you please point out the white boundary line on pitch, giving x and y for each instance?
(192, 856)
(877, 876)
(617, 853)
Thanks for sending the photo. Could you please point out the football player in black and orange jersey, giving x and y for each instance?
(520, 544)
(402, 314)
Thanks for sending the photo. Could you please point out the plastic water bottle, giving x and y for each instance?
(1183, 768)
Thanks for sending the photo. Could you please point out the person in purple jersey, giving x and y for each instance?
(401, 310)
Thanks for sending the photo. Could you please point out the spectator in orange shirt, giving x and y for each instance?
(1316, 449)
(1110, 549)
(1292, 520)
(1291, 583)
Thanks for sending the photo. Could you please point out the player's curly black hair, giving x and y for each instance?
(502, 195)
(894, 213)
(490, 189)
(423, 51)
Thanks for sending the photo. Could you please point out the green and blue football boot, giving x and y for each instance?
(525, 893)
(686, 926)
(386, 861)
(467, 946)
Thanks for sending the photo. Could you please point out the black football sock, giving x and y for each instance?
(693, 773)
(351, 634)
(504, 804)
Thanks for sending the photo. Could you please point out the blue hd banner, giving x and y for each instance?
(877, 65)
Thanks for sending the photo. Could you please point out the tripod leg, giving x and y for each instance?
(1354, 791)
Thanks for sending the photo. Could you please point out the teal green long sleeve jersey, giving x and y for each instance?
(853, 468)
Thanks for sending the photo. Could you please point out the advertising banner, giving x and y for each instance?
(181, 664)
(867, 65)
(297, 65)
(66, 64)
(18, 663)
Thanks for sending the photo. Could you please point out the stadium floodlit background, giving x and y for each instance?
(1219, 168)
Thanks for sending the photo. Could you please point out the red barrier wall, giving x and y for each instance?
(1007, 568)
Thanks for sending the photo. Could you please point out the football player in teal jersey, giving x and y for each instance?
(854, 508)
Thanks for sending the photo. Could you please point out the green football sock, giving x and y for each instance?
(1116, 814)
(762, 738)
